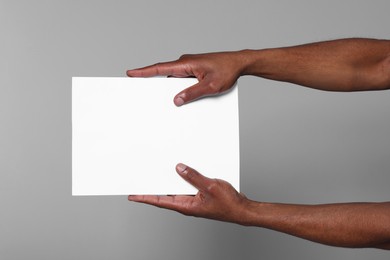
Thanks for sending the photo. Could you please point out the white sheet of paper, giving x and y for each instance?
(128, 136)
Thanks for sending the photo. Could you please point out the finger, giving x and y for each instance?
(193, 177)
(192, 93)
(177, 203)
(174, 68)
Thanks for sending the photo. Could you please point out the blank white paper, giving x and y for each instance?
(128, 136)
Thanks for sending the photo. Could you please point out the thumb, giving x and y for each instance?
(193, 177)
(192, 93)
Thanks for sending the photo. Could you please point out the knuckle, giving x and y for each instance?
(213, 187)
(214, 87)
(191, 174)
(185, 56)
(157, 67)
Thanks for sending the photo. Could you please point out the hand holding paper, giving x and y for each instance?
(216, 199)
(216, 73)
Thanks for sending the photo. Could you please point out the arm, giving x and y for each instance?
(344, 225)
(339, 65)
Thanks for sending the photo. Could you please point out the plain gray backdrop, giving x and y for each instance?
(298, 145)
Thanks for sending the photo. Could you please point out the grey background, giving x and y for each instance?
(297, 145)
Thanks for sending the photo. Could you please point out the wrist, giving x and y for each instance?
(251, 213)
(249, 61)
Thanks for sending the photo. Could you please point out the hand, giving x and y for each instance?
(216, 199)
(216, 73)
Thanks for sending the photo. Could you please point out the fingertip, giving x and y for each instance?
(180, 98)
(192, 93)
(180, 168)
(135, 198)
(129, 73)
(178, 101)
(192, 176)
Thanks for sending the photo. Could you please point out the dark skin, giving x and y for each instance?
(340, 65)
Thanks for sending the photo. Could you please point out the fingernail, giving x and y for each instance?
(181, 167)
(178, 101)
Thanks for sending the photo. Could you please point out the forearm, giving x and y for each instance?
(344, 225)
(340, 65)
